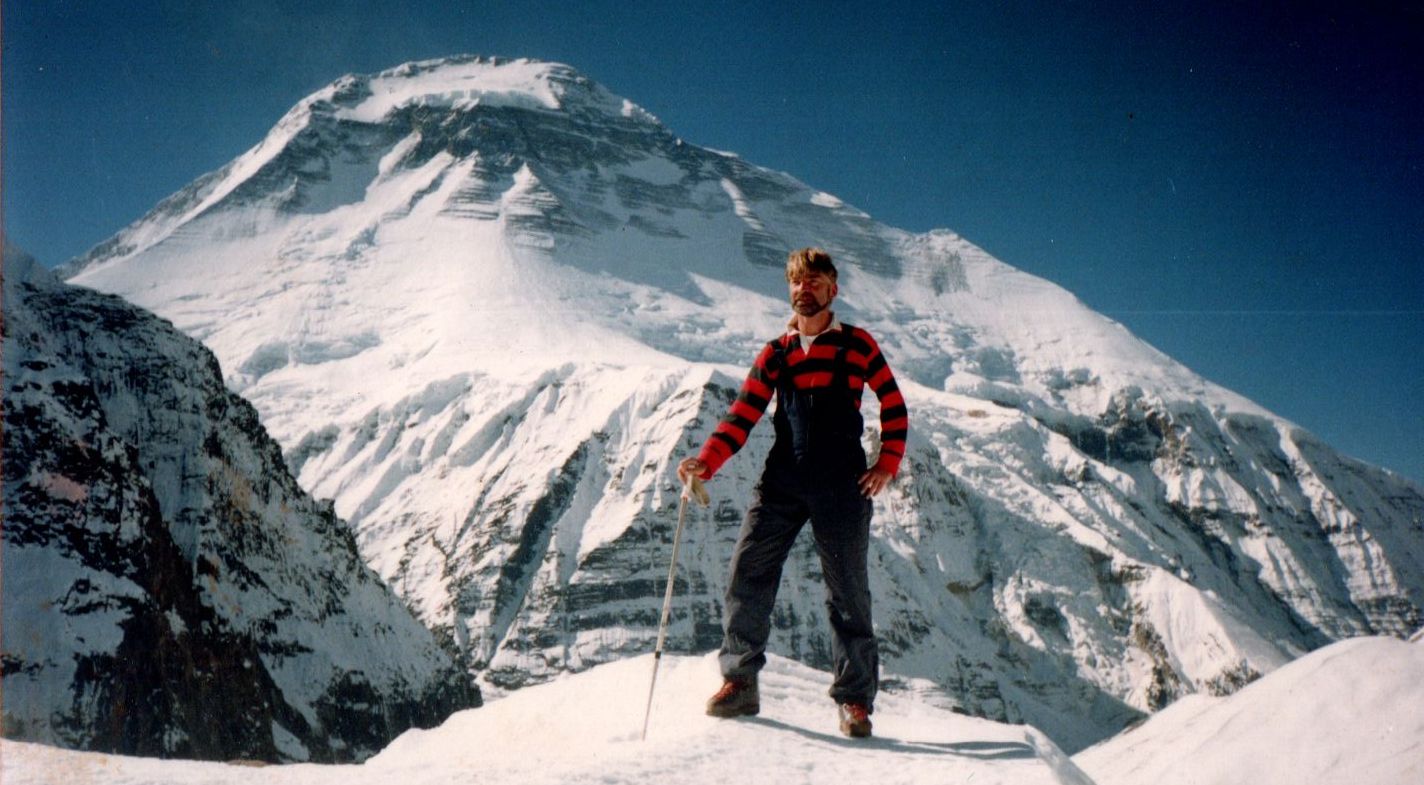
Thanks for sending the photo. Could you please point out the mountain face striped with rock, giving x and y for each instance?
(486, 305)
(168, 589)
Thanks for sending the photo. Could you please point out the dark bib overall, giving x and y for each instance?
(818, 431)
(812, 473)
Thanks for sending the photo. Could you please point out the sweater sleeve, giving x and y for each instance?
(750, 404)
(894, 417)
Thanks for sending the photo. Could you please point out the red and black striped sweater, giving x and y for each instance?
(865, 366)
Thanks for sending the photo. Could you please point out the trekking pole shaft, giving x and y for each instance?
(672, 576)
(667, 609)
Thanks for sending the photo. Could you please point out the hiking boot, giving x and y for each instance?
(737, 698)
(855, 720)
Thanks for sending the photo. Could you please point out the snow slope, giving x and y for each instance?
(485, 306)
(585, 729)
(1348, 713)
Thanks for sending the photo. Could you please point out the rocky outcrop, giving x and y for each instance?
(168, 590)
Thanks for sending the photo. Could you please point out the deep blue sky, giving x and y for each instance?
(1238, 183)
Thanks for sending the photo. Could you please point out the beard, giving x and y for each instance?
(808, 306)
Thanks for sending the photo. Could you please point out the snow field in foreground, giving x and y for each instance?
(1352, 712)
(1344, 714)
(586, 727)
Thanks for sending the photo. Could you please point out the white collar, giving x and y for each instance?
(807, 340)
(833, 326)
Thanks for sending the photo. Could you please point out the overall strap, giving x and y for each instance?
(840, 377)
(783, 377)
(779, 358)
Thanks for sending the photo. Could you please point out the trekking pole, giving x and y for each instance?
(693, 487)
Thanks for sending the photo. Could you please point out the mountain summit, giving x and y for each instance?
(485, 305)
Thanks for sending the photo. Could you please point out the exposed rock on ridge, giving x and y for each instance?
(168, 589)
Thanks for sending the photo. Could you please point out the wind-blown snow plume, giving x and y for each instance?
(485, 305)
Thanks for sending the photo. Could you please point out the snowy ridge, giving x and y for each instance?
(464, 83)
(586, 728)
(487, 326)
(1344, 714)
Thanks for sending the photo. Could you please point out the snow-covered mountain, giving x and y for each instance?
(485, 305)
(168, 589)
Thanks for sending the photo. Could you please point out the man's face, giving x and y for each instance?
(811, 293)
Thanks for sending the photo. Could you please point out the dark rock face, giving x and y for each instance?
(168, 589)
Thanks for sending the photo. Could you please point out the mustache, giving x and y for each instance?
(808, 306)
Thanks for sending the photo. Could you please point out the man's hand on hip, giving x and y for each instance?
(874, 481)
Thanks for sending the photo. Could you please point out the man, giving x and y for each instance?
(816, 470)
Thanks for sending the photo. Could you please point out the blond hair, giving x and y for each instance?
(809, 260)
